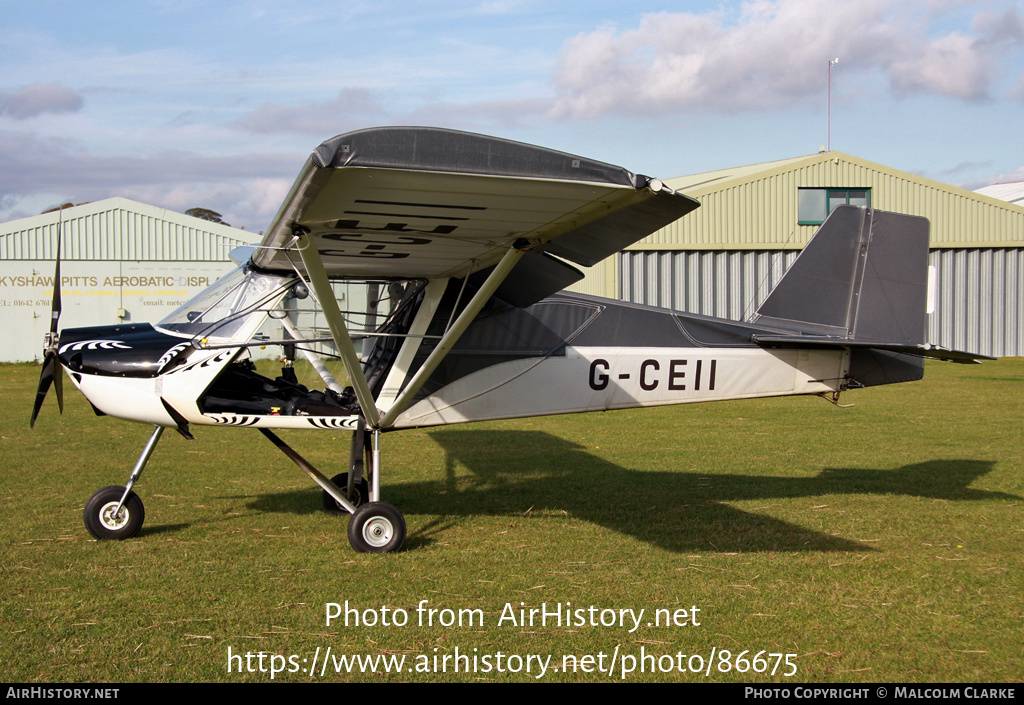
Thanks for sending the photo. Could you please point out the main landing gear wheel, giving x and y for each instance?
(360, 495)
(101, 521)
(376, 527)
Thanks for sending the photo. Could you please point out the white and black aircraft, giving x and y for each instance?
(461, 245)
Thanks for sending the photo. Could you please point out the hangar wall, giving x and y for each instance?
(978, 304)
(121, 262)
(724, 258)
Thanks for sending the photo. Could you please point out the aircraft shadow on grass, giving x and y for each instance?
(513, 473)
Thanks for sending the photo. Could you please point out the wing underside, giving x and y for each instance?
(426, 202)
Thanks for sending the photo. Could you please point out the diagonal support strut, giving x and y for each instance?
(452, 335)
(336, 322)
(307, 467)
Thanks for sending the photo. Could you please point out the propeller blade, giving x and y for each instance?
(45, 379)
(51, 373)
(55, 307)
(58, 384)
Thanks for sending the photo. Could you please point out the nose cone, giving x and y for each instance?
(135, 350)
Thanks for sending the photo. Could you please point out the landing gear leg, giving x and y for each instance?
(375, 527)
(375, 467)
(352, 483)
(117, 512)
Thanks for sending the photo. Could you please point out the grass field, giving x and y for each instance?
(876, 543)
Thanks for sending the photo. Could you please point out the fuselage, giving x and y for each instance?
(565, 354)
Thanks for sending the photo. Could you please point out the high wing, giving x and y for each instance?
(428, 202)
(420, 202)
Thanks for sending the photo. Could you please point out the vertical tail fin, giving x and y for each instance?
(863, 277)
(861, 284)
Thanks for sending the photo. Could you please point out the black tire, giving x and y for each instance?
(99, 518)
(360, 495)
(376, 527)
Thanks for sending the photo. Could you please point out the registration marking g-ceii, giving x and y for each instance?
(652, 373)
(675, 375)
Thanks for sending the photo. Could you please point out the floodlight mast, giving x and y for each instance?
(828, 136)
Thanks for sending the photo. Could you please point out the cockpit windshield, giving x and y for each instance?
(227, 310)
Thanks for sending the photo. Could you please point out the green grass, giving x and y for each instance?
(879, 543)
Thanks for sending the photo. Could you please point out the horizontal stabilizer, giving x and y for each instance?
(923, 350)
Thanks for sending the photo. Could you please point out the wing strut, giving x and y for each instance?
(452, 335)
(336, 322)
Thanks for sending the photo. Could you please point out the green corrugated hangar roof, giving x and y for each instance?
(120, 229)
(756, 206)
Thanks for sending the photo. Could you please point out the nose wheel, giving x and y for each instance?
(117, 512)
(104, 520)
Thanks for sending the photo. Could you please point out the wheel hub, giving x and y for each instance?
(378, 532)
(108, 518)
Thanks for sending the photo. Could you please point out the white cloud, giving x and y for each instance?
(1017, 91)
(999, 27)
(482, 115)
(246, 203)
(950, 65)
(1009, 177)
(770, 56)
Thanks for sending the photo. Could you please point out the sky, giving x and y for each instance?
(188, 103)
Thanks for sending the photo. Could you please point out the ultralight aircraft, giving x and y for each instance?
(450, 253)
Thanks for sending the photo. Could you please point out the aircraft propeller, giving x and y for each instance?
(51, 368)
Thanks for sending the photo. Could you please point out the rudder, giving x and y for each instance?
(863, 277)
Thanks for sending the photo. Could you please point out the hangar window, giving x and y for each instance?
(814, 204)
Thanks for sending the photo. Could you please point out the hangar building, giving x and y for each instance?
(121, 262)
(124, 261)
(1012, 191)
(724, 258)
